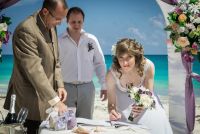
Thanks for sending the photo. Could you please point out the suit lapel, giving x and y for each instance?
(54, 41)
(45, 32)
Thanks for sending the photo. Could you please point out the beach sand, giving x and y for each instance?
(101, 112)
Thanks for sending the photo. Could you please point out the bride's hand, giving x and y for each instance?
(136, 110)
(114, 115)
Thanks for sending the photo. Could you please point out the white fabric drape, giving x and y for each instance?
(176, 75)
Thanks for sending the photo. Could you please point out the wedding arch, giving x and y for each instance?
(181, 95)
(180, 121)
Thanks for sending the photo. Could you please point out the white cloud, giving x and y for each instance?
(157, 21)
(157, 38)
(136, 32)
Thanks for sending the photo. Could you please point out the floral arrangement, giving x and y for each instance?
(142, 96)
(4, 33)
(184, 27)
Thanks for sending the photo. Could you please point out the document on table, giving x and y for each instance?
(108, 123)
(92, 122)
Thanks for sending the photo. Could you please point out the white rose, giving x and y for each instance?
(3, 27)
(191, 17)
(181, 29)
(146, 100)
(135, 89)
(142, 88)
(183, 7)
(132, 95)
(197, 20)
(190, 26)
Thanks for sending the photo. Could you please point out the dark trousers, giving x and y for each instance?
(32, 126)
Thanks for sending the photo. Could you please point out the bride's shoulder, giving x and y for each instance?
(110, 78)
(148, 63)
(113, 73)
(149, 67)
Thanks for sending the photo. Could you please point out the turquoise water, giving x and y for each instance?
(161, 73)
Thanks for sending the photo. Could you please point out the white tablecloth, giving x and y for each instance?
(103, 127)
(104, 130)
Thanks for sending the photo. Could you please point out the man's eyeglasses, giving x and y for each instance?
(54, 16)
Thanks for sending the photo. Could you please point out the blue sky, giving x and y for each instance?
(108, 20)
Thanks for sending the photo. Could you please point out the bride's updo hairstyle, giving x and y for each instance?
(132, 48)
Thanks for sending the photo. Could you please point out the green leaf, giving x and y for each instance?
(174, 16)
(2, 34)
(167, 28)
(7, 20)
(198, 28)
(191, 34)
(137, 97)
(193, 1)
(177, 50)
(177, 46)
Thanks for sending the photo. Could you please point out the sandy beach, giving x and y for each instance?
(100, 111)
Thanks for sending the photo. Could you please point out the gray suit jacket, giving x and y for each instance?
(36, 73)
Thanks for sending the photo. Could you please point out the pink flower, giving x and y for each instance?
(169, 42)
(195, 46)
(178, 10)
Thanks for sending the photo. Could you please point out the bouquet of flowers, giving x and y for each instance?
(142, 97)
(4, 33)
(184, 27)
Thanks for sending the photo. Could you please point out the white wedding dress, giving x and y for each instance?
(155, 119)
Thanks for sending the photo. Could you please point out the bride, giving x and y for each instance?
(131, 67)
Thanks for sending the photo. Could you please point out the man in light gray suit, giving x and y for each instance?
(36, 79)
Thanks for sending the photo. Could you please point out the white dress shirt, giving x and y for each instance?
(80, 61)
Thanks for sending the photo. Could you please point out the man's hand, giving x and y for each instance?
(60, 107)
(114, 116)
(62, 93)
(103, 95)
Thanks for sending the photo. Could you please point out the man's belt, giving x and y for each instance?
(78, 82)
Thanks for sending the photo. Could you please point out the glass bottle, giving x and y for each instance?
(11, 116)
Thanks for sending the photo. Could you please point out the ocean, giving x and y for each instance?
(161, 73)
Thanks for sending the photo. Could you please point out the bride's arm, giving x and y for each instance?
(110, 85)
(149, 76)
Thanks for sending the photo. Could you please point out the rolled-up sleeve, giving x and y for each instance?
(99, 64)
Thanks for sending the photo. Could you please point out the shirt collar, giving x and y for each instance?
(66, 34)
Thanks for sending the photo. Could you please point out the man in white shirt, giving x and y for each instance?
(81, 56)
